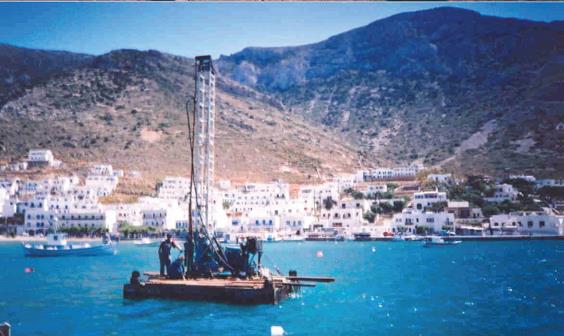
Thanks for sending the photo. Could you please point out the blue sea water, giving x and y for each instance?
(381, 288)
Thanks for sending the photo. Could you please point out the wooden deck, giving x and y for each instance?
(231, 290)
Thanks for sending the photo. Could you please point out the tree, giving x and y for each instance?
(369, 216)
(357, 195)
(490, 209)
(524, 186)
(328, 203)
(375, 208)
(226, 205)
(437, 206)
(549, 192)
(398, 206)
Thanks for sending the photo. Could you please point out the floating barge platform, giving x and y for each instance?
(257, 290)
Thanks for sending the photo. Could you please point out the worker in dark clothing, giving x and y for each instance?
(164, 252)
(176, 269)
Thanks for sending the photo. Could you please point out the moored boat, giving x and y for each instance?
(57, 246)
(325, 235)
(362, 236)
(438, 241)
(145, 242)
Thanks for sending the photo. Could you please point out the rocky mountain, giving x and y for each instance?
(127, 107)
(447, 86)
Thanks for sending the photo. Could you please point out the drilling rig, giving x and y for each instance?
(213, 272)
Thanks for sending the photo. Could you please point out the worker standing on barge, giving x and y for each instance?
(164, 252)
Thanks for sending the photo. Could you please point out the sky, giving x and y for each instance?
(190, 29)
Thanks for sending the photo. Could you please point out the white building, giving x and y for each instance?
(162, 214)
(408, 220)
(346, 214)
(371, 189)
(130, 213)
(527, 223)
(314, 195)
(10, 186)
(102, 170)
(528, 178)
(8, 205)
(95, 217)
(102, 185)
(425, 199)
(174, 187)
(549, 183)
(503, 192)
(345, 181)
(440, 178)
(41, 158)
(400, 172)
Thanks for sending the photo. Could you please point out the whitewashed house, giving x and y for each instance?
(161, 214)
(94, 217)
(347, 214)
(503, 192)
(102, 170)
(372, 189)
(527, 223)
(549, 183)
(345, 181)
(440, 178)
(41, 158)
(102, 185)
(400, 172)
(10, 186)
(8, 204)
(130, 213)
(425, 199)
(409, 219)
(174, 187)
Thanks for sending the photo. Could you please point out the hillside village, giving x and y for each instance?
(376, 203)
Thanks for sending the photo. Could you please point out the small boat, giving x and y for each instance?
(438, 241)
(325, 235)
(57, 246)
(271, 237)
(294, 238)
(398, 238)
(362, 236)
(145, 242)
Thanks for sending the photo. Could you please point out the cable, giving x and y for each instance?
(191, 140)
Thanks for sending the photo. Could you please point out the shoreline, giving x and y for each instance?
(22, 239)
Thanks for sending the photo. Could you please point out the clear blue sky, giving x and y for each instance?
(214, 28)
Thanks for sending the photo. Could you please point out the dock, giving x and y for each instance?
(256, 290)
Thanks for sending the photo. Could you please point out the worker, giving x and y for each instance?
(164, 252)
(176, 269)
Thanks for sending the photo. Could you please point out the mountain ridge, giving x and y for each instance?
(428, 86)
(401, 74)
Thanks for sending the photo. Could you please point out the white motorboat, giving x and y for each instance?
(438, 241)
(145, 242)
(398, 238)
(56, 245)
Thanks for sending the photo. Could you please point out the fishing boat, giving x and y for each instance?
(438, 241)
(56, 245)
(145, 242)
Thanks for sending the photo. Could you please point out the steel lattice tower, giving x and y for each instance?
(205, 136)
